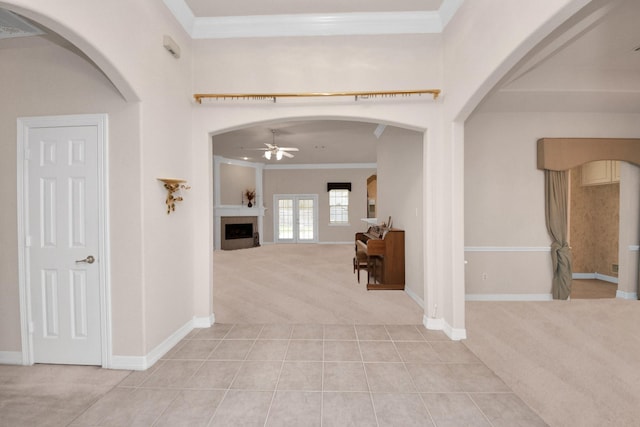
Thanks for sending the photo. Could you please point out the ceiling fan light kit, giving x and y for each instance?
(274, 150)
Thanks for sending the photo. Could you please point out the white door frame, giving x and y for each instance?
(24, 125)
(295, 197)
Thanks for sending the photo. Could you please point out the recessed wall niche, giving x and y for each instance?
(234, 180)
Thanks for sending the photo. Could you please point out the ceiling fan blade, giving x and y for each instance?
(289, 149)
(286, 154)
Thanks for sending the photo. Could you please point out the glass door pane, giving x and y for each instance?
(285, 219)
(306, 216)
(296, 218)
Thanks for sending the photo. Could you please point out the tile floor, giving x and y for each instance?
(308, 375)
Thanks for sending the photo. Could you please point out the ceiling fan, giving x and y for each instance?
(274, 150)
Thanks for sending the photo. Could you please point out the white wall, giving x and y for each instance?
(629, 257)
(152, 276)
(505, 230)
(400, 196)
(317, 64)
(304, 65)
(41, 78)
(234, 181)
(314, 181)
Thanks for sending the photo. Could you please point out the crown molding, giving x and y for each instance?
(310, 166)
(365, 23)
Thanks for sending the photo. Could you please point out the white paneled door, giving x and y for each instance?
(62, 234)
(296, 219)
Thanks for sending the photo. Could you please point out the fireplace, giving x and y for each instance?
(238, 231)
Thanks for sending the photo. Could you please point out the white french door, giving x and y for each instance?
(296, 218)
(62, 244)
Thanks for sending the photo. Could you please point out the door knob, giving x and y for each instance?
(89, 260)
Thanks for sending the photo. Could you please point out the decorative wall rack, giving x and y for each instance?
(172, 185)
(274, 96)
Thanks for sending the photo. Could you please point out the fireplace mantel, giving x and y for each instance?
(237, 210)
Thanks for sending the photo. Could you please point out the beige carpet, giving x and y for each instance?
(576, 363)
(304, 283)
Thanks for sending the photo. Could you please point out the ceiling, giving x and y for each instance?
(213, 8)
(590, 64)
(212, 19)
(319, 141)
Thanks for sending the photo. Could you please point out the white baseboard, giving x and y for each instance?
(439, 324)
(130, 363)
(508, 297)
(433, 323)
(414, 297)
(141, 363)
(507, 249)
(456, 334)
(626, 295)
(583, 276)
(10, 358)
(204, 322)
(590, 276)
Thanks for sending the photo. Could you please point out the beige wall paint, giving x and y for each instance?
(400, 196)
(234, 181)
(152, 291)
(314, 181)
(317, 64)
(595, 216)
(42, 78)
(504, 194)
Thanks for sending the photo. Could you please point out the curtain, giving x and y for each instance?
(556, 200)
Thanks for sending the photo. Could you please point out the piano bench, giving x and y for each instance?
(360, 262)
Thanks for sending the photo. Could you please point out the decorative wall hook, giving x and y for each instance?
(173, 185)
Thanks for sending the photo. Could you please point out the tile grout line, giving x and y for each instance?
(180, 389)
(226, 392)
(215, 411)
(479, 409)
(404, 363)
(366, 377)
(131, 390)
(275, 388)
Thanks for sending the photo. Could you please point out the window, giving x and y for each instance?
(338, 206)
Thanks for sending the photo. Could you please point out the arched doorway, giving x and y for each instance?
(563, 154)
(356, 161)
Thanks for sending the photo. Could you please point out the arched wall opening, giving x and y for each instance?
(93, 52)
(564, 154)
(427, 117)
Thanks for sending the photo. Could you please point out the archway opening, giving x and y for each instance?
(329, 150)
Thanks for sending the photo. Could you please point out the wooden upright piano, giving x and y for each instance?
(385, 253)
